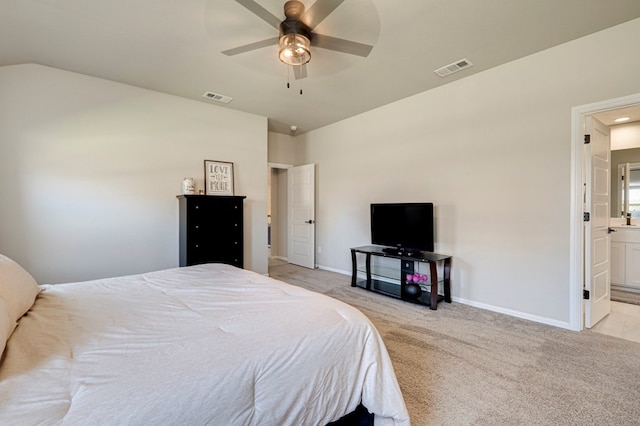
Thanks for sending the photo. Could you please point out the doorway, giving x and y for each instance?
(625, 207)
(291, 214)
(577, 248)
(277, 216)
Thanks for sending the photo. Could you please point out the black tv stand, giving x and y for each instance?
(407, 261)
(397, 251)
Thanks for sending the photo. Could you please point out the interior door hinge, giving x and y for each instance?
(585, 294)
(587, 138)
(586, 217)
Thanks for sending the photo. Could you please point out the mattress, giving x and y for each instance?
(202, 345)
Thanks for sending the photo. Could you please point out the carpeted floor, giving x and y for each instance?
(461, 365)
(625, 296)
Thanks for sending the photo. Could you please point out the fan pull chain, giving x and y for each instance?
(288, 79)
(288, 75)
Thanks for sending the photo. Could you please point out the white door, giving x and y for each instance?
(301, 206)
(597, 199)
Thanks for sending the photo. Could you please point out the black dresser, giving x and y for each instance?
(211, 229)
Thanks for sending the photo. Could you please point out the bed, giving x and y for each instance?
(201, 345)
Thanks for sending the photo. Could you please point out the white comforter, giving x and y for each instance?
(203, 345)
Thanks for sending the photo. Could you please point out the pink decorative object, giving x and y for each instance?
(416, 278)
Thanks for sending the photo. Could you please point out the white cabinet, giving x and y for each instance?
(632, 277)
(625, 258)
(618, 260)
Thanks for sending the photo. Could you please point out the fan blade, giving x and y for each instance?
(300, 71)
(341, 45)
(319, 11)
(261, 12)
(251, 46)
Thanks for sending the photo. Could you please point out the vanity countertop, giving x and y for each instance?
(621, 223)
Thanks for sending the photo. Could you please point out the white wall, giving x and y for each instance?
(282, 149)
(91, 169)
(493, 152)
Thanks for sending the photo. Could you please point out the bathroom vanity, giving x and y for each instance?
(625, 257)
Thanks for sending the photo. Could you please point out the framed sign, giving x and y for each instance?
(218, 177)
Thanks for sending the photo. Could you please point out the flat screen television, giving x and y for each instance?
(403, 226)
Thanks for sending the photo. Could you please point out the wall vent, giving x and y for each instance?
(217, 97)
(454, 67)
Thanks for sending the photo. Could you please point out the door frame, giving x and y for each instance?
(280, 166)
(576, 246)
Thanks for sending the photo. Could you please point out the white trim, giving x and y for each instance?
(338, 271)
(283, 258)
(512, 313)
(576, 235)
(279, 166)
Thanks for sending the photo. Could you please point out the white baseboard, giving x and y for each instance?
(510, 312)
(338, 271)
(517, 314)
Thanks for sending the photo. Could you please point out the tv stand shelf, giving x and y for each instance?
(407, 262)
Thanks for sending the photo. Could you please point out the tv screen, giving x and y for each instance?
(403, 225)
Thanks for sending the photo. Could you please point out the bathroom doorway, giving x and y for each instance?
(599, 110)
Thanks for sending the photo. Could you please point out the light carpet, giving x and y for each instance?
(461, 365)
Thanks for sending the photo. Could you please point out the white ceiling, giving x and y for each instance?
(174, 46)
(609, 117)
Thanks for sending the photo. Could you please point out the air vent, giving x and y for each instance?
(217, 97)
(454, 67)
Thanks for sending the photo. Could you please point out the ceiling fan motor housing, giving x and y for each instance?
(294, 26)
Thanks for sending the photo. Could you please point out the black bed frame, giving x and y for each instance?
(358, 417)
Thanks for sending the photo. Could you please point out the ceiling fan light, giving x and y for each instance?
(294, 49)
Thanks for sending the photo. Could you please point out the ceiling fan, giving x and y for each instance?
(296, 33)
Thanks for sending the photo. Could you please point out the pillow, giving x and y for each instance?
(6, 326)
(18, 289)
